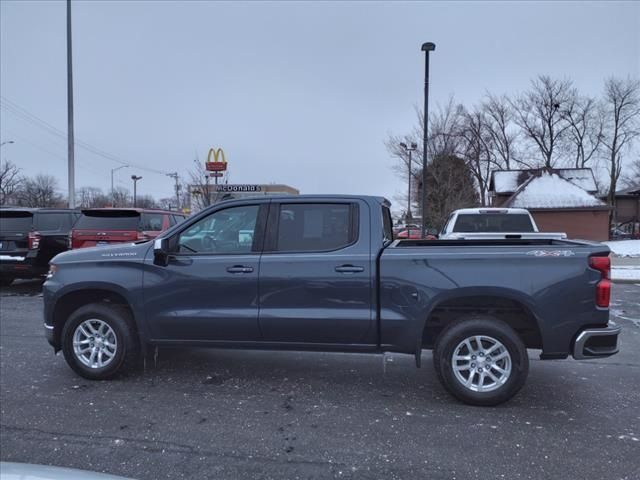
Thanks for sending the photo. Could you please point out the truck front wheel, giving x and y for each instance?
(481, 361)
(99, 341)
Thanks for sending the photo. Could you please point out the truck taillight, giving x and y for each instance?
(603, 293)
(602, 264)
(603, 287)
(34, 240)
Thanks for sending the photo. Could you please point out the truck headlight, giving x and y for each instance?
(52, 270)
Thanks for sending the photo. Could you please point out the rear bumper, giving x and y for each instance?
(596, 343)
(20, 266)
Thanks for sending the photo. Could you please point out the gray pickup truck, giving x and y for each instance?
(324, 273)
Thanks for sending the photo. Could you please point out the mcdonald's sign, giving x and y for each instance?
(216, 165)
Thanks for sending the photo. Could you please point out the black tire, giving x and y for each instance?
(6, 281)
(127, 352)
(464, 328)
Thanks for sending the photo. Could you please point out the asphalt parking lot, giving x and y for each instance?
(224, 414)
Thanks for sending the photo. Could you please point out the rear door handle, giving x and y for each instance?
(239, 269)
(349, 269)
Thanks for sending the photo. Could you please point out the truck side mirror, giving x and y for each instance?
(161, 251)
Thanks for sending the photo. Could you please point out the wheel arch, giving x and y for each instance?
(72, 299)
(508, 305)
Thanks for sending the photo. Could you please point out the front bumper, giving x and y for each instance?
(596, 343)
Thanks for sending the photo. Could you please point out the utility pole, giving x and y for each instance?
(113, 192)
(409, 149)
(426, 48)
(71, 161)
(135, 191)
(174, 175)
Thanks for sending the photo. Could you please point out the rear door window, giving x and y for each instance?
(15, 221)
(109, 220)
(151, 222)
(387, 224)
(53, 222)
(315, 227)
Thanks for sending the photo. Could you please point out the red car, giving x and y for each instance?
(104, 226)
(413, 234)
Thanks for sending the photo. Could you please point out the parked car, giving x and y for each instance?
(30, 238)
(493, 223)
(105, 226)
(324, 273)
(416, 234)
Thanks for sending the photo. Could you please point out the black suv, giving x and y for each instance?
(29, 238)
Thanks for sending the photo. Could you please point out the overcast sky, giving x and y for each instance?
(297, 93)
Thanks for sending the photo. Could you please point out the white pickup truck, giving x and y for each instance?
(493, 224)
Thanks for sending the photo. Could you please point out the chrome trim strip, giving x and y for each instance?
(581, 340)
(48, 327)
(9, 257)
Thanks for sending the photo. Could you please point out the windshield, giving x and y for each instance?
(493, 222)
(15, 221)
(109, 220)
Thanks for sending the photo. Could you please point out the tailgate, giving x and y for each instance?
(103, 227)
(15, 226)
(92, 238)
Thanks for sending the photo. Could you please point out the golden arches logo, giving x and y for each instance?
(217, 152)
(219, 163)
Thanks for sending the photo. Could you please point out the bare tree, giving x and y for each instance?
(444, 140)
(202, 187)
(122, 197)
(539, 113)
(477, 149)
(450, 186)
(92, 197)
(40, 191)
(146, 201)
(499, 120)
(585, 129)
(10, 182)
(621, 106)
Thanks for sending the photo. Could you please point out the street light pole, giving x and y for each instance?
(71, 157)
(174, 175)
(426, 48)
(410, 149)
(135, 191)
(113, 192)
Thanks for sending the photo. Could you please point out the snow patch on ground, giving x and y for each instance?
(624, 248)
(626, 273)
(553, 191)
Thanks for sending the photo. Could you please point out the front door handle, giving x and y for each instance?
(239, 269)
(349, 269)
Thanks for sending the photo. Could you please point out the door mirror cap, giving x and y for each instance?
(161, 251)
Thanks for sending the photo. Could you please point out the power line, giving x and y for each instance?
(23, 113)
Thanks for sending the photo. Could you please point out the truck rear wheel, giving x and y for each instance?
(99, 341)
(481, 361)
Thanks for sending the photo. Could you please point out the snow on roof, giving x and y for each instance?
(508, 181)
(552, 191)
(505, 181)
